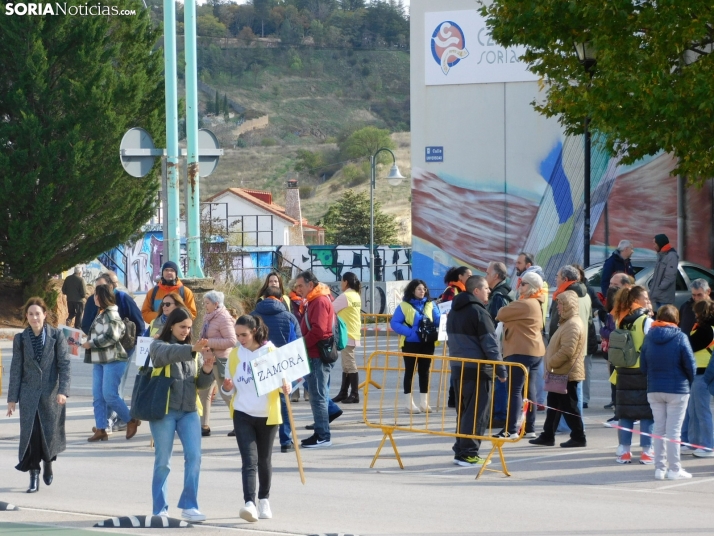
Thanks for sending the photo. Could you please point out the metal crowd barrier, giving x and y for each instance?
(385, 409)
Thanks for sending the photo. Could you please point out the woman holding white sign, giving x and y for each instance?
(255, 418)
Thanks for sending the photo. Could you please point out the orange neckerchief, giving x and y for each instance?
(299, 300)
(665, 248)
(273, 298)
(459, 285)
(320, 290)
(632, 310)
(662, 324)
(536, 295)
(562, 288)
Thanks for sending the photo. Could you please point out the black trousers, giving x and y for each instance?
(422, 365)
(255, 443)
(75, 309)
(473, 407)
(568, 403)
(35, 452)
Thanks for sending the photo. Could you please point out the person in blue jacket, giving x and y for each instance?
(283, 328)
(127, 309)
(619, 261)
(415, 306)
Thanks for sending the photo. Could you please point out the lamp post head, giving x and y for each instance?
(587, 55)
(395, 177)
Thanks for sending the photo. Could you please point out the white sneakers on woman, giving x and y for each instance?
(250, 513)
(679, 475)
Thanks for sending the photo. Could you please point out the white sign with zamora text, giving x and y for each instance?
(287, 362)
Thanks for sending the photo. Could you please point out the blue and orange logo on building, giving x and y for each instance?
(448, 45)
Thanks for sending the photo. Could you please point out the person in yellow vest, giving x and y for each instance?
(274, 280)
(699, 413)
(255, 418)
(168, 303)
(414, 307)
(632, 312)
(348, 307)
(190, 372)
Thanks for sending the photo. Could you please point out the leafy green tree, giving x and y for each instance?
(70, 88)
(309, 161)
(652, 88)
(347, 221)
(209, 26)
(365, 142)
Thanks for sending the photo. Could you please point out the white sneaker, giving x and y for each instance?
(248, 512)
(686, 450)
(530, 435)
(680, 475)
(193, 515)
(264, 509)
(659, 474)
(701, 453)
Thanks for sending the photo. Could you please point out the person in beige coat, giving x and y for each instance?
(565, 356)
(523, 343)
(219, 331)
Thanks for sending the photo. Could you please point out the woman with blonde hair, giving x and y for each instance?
(39, 381)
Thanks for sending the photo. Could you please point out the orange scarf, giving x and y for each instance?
(459, 285)
(625, 313)
(661, 324)
(273, 298)
(665, 248)
(536, 295)
(562, 288)
(299, 300)
(320, 290)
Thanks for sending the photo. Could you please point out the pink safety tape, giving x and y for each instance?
(618, 427)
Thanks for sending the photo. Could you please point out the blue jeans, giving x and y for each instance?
(332, 408)
(105, 391)
(517, 380)
(129, 362)
(625, 438)
(563, 426)
(500, 401)
(188, 427)
(540, 395)
(318, 384)
(701, 428)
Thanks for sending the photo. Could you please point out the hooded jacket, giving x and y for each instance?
(663, 284)
(472, 334)
(283, 327)
(584, 311)
(321, 317)
(615, 263)
(667, 360)
(218, 329)
(566, 349)
(523, 327)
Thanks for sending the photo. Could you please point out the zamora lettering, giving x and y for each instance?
(284, 365)
(63, 9)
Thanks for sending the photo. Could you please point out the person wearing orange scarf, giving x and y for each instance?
(663, 284)
(455, 280)
(666, 358)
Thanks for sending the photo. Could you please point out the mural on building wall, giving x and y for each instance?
(487, 224)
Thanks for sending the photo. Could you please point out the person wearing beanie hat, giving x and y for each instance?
(169, 283)
(523, 323)
(663, 284)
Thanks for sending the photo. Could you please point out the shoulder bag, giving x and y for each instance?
(557, 383)
(150, 397)
(327, 348)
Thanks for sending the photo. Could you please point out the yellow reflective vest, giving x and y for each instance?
(274, 416)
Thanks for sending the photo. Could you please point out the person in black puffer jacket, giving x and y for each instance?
(632, 312)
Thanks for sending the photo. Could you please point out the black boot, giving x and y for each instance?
(343, 389)
(452, 398)
(34, 481)
(47, 474)
(353, 378)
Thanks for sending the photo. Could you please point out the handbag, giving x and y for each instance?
(327, 348)
(557, 383)
(150, 397)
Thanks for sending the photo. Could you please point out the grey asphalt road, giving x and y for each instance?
(551, 491)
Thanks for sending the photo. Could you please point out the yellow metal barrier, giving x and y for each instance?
(385, 411)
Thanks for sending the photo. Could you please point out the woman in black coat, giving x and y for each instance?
(39, 381)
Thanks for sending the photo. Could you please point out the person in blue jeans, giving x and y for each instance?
(700, 429)
(190, 372)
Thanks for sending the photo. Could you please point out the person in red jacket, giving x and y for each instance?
(316, 325)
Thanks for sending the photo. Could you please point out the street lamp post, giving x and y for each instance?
(587, 54)
(394, 179)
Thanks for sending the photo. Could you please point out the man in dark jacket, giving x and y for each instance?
(619, 261)
(76, 291)
(499, 297)
(663, 285)
(700, 292)
(283, 328)
(472, 335)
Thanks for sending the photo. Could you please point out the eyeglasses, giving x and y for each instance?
(167, 304)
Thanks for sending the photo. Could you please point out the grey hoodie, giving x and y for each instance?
(664, 280)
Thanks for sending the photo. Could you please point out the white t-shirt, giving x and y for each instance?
(247, 399)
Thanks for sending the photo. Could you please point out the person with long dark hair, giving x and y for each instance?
(39, 381)
(348, 307)
(275, 281)
(455, 281)
(109, 360)
(190, 371)
(415, 306)
(255, 418)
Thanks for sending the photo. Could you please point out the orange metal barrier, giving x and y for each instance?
(385, 409)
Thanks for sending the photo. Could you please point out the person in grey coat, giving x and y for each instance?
(663, 284)
(39, 381)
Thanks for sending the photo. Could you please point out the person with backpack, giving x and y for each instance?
(169, 283)
(348, 307)
(632, 318)
(416, 321)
